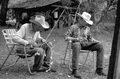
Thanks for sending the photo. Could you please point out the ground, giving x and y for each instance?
(20, 71)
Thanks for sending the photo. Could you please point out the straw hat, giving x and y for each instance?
(40, 20)
(86, 16)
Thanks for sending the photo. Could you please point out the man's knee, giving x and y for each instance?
(99, 45)
(40, 51)
(76, 45)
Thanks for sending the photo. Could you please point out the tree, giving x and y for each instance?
(3, 11)
(1, 1)
(106, 10)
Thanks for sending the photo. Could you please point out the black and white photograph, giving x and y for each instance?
(59, 39)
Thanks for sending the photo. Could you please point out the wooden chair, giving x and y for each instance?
(69, 51)
(8, 35)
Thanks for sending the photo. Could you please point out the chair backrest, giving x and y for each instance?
(8, 35)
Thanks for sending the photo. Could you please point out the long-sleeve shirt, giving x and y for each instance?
(25, 34)
(81, 35)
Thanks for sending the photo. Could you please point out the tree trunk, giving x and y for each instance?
(3, 11)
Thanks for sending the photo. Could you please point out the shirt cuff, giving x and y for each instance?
(26, 42)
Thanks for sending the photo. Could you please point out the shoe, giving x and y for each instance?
(100, 72)
(45, 65)
(76, 74)
(38, 70)
(50, 69)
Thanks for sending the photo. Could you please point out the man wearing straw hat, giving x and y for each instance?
(80, 36)
(29, 35)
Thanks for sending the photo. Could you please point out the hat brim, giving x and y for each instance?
(89, 21)
(46, 25)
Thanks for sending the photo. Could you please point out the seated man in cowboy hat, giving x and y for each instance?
(29, 35)
(80, 36)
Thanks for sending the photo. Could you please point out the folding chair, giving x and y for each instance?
(68, 48)
(8, 35)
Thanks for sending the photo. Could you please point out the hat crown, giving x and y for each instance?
(86, 16)
(40, 19)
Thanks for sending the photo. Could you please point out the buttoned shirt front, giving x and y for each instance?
(84, 34)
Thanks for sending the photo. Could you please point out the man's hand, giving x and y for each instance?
(94, 40)
(31, 43)
(40, 40)
(67, 38)
(71, 39)
(43, 40)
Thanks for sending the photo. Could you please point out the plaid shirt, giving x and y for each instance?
(84, 34)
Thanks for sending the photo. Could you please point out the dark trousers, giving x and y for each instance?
(92, 46)
(47, 51)
(42, 55)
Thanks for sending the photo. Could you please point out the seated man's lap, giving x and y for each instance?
(30, 51)
(35, 50)
(89, 45)
(86, 45)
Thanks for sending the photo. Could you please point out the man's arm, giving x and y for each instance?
(94, 40)
(90, 37)
(38, 38)
(18, 38)
(68, 34)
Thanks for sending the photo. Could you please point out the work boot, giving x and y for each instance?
(76, 73)
(46, 65)
(100, 72)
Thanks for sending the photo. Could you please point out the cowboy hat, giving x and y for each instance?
(40, 20)
(86, 16)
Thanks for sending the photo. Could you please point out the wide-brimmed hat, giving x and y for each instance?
(40, 21)
(86, 16)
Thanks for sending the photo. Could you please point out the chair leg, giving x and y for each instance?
(93, 62)
(86, 58)
(4, 61)
(26, 58)
(70, 59)
(10, 51)
(65, 54)
(11, 64)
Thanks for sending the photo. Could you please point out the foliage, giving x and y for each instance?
(66, 2)
(101, 10)
(98, 8)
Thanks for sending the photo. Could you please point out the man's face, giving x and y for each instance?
(82, 23)
(37, 28)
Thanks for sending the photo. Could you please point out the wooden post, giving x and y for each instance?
(114, 63)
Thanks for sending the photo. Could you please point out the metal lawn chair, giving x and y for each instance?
(8, 35)
(69, 51)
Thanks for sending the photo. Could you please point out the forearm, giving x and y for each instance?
(94, 40)
(19, 40)
(68, 38)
